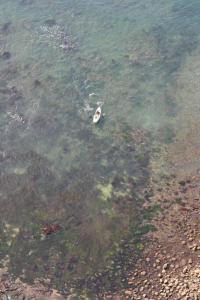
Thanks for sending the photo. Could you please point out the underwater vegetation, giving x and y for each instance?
(67, 219)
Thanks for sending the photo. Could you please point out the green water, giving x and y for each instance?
(55, 165)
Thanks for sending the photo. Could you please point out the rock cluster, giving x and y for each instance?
(169, 266)
(59, 36)
(15, 289)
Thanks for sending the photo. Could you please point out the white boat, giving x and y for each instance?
(97, 115)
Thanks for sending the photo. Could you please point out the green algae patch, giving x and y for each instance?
(104, 162)
(178, 200)
(19, 171)
(106, 191)
(42, 215)
(144, 229)
(139, 246)
(151, 212)
(124, 193)
(110, 213)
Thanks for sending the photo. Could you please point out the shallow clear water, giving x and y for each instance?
(58, 59)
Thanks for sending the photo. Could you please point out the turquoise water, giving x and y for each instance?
(58, 60)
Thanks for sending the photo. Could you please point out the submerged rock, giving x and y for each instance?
(14, 95)
(6, 27)
(50, 22)
(6, 55)
(37, 83)
(58, 35)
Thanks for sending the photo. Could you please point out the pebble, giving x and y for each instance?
(165, 266)
(185, 269)
(157, 261)
(173, 259)
(194, 247)
(128, 293)
(190, 261)
(148, 259)
(143, 273)
(165, 281)
(176, 266)
(183, 262)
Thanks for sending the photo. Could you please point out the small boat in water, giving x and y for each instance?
(97, 115)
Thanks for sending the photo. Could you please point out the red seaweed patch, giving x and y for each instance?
(51, 228)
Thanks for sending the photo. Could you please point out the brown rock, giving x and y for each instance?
(190, 261)
(143, 273)
(166, 266)
(148, 259)
(128, 293)
(185, 269)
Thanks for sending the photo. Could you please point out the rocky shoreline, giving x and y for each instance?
(169, 266)
(15, 289)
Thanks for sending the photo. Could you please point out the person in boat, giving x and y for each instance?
(97, 113)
